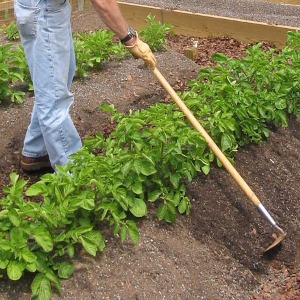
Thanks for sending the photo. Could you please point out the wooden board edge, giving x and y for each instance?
(6, 5)
(286, 2)
(202, 25)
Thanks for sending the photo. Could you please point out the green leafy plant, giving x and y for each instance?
(111, 188)
(39, 237)
(11, 73)
(240, 98)
(155, 33)
(11, 31)
(93, 48)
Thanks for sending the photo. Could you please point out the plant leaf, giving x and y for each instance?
(88, 245)
(71, 250)
(206, 169)
(53, 278)
(137, 187)
(14, 217)
(182, 207)
(28, 256)
(123, 233)
(3, 264)
(15, 270)
(153, 195)
(65, 270)
(161, 211)
(133, 231)
(43, 238)
(97, 238)
(139, 209)
(35, 189)
(87, 204)
(41, 288)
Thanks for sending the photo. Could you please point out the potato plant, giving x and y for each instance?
(12, 72)
(155, 33)
(93, 48)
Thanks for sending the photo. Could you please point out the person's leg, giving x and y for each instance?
(50, 55)
(27, 13)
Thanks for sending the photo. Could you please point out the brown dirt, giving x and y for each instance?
(216, 252)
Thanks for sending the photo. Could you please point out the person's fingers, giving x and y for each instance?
(142, 50)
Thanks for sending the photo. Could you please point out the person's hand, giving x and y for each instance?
(142, 50)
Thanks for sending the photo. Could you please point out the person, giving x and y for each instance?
(46, 36)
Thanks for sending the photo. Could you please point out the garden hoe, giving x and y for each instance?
(226, 163)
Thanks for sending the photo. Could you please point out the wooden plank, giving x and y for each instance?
(245, 31)
(6, 12)
(206, 25)
(6, 5)
(136, 14)
(80, 5)
(290, 2)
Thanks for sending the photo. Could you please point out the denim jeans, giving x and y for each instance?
(45, 31)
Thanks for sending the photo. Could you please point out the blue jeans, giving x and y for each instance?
(45, 31)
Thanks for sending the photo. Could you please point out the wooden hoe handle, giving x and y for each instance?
(213, 146)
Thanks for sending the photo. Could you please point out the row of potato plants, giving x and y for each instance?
(92, 49)
(14, 72)
(145, 161)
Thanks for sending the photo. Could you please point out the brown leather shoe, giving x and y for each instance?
(29, 164)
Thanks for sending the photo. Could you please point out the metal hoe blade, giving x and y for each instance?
(278, 239)
(281, 235)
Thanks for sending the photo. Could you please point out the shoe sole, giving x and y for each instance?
(35, 166)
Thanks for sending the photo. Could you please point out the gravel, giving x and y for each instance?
(253, 10)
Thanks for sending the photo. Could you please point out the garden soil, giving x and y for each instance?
(214, 253)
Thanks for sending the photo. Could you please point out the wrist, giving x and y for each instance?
(130, 38)
(131, 42)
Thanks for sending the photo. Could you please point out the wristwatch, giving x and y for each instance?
(130, 34)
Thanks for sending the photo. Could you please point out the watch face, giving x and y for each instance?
(131, 32)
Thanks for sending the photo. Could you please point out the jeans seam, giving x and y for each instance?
(60, 129)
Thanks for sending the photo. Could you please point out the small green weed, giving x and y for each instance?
(11, 31)
(93, 48)
(155, 33)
